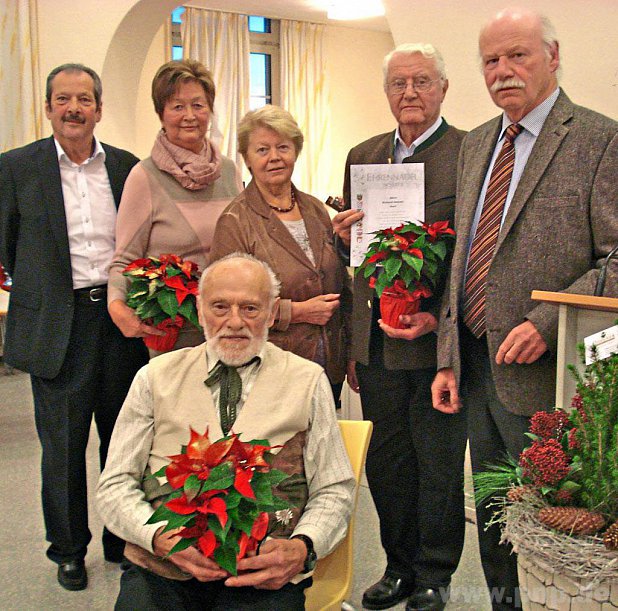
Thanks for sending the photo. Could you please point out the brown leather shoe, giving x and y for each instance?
(72, 575)
(387, 592)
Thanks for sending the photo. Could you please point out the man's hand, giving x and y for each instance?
(317, 310)
(351, 375)
(416, 325)
(128, 322)
(523, 345)
(190, 560)
(279, 560)
(343, 222)
(444, 394)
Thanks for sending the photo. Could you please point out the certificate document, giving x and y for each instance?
(389, 195)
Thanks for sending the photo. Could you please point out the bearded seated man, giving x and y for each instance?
(283, 398)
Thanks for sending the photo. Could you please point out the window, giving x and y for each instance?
(175, 31)
(263, 61)
(263, 58)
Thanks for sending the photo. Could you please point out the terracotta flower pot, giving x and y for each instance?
(393, 305)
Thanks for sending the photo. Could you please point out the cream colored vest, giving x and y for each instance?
(278, 406)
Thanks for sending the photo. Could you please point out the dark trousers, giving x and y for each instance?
(141, 590)
(94, 379)
(493, 431)
(415, 473)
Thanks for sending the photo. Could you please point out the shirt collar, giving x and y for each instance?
(424, 136)
(212, 359)
(99, 151)
(534, 120)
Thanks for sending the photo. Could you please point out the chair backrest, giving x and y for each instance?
(332, 578)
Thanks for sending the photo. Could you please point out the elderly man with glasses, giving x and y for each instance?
(415, 460)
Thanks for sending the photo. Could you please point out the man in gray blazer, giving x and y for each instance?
(415, 460)
(58, 200)
(559, 220)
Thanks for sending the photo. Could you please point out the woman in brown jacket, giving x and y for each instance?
(292, 232)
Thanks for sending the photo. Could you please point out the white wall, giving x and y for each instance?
(588, 45)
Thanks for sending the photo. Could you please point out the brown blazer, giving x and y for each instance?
(440, 158)
(249, 225)
(562, 221)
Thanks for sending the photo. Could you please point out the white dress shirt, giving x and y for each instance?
(90, 216)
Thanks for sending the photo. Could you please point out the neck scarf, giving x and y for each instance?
(192, 170)
(230, 390)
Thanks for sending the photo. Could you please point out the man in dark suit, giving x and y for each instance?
(58, 200)
(415, 460)
(557, 221)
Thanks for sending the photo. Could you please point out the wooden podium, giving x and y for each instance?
(579, 316)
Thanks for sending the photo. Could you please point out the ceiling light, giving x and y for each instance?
(355, 9)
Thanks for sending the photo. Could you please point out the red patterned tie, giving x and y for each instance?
(486, 236)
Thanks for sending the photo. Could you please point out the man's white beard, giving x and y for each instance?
(236, 356)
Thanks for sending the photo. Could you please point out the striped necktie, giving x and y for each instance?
(486, 236)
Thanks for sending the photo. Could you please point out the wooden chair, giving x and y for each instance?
(332, 578)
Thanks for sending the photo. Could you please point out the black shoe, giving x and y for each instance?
(428, 599)
(114, 555)
(387, 592)
(72, 575)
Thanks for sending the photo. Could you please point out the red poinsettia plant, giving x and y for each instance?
(408, 260)
(223, 494)
(163, 294)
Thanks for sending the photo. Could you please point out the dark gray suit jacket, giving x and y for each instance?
(34, 248)
(562, 221)
(439, 155)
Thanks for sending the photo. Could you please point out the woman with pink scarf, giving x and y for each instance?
(172, 199)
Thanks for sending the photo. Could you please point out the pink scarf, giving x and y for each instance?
(193, 171)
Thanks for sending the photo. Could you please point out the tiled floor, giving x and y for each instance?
(28, 580)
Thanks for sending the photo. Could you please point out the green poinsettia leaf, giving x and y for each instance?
(408, 275)
(160, 472)
(221, 477)
(220, 532)
(430, 269)
(225, 556)
(161, 514)
(570, 486)
(177, 520)
(182, 545)
(172, 271)
(392, 267)
(168, 302)
(369, 270)
(188, 310)
(278, 504)
(148, 309)
(381, 284)
(420, 242)
(192, 487)
(439, 249)
(414, 262)
(232, 499)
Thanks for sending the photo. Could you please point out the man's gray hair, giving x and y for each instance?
(426, 49)
(548, 35)
(275, 285)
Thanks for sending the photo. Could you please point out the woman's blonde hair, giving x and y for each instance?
(271, 117)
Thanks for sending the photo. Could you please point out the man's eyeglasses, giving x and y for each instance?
(420, 84)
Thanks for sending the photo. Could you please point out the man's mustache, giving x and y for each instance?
(74, 118)
(509, 83)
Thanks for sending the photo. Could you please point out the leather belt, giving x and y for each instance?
(92, 294)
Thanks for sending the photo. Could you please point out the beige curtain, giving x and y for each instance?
(21, 113)
(221, 42)
(303, 93)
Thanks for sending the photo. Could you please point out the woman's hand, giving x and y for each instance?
(128, 322)
(317, 310)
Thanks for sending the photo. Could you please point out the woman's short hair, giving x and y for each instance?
(272, 117)
(170, 76)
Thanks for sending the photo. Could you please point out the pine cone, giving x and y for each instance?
(610, 538)
(516, 494)
(572, 520)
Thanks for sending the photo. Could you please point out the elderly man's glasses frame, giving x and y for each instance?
(419, 84)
